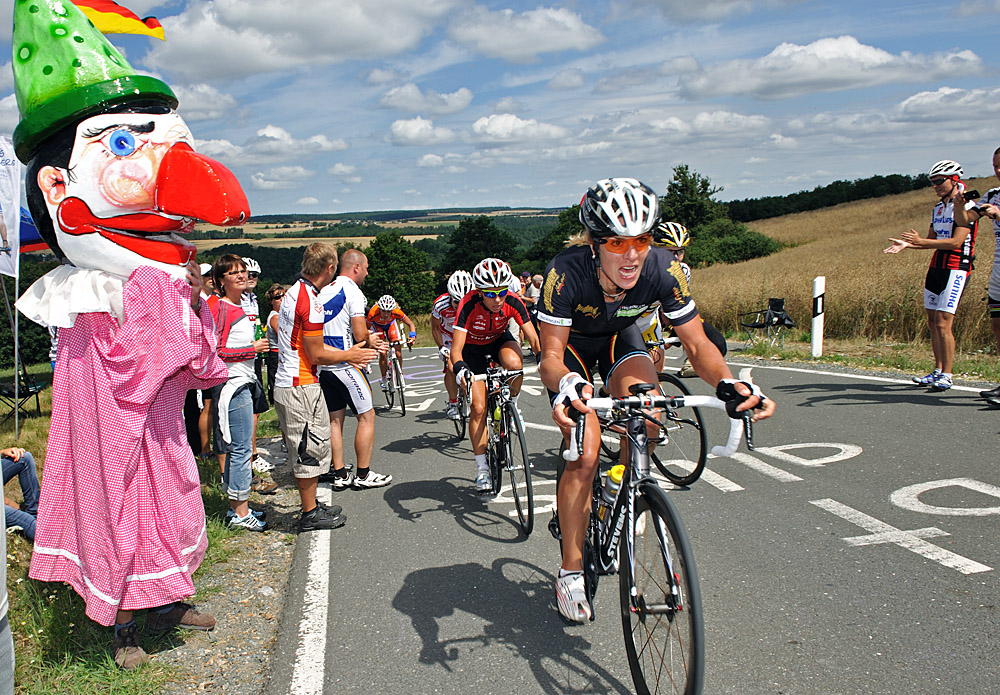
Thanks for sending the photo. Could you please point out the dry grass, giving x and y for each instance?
(870, 296)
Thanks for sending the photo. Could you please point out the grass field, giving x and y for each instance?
(294, 242)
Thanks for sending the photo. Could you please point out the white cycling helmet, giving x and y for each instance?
(252, 265)
(672, 235)
(946, 167)
(386, 302)
(459, 284)
(619, 207)
(491, 272)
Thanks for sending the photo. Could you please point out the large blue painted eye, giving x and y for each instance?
(122, 143)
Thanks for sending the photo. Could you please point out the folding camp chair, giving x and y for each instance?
(766, 325)
(27, 389)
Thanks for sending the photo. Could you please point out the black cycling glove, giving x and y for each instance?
(726, 391)
(458, 367)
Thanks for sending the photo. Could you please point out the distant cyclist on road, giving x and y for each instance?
(481, 329)
(443, 315)
(592, 296)
(382, 318)
(954, 249)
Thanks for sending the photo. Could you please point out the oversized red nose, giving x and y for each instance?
(193, 185)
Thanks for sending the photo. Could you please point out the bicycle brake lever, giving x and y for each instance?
(748, 430)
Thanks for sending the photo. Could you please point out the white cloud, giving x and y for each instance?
(507, 105)
(9, 115)
(408, 97)
(379, 76)
(943, 105)
(280, 178)
(202, 102)
(520, 37)
(825, 65)
(419, 131)
(270, 145)
(714, 125)
(6, 77)
(341, 169)
(508, 127)
(570, 78)
(430, 160)
(232, 39)
(710, 10)
(681, 65)
(968, 9)
(308, 200)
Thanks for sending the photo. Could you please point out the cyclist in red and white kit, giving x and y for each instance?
(443, 315)
(954, 249)
(481, 330)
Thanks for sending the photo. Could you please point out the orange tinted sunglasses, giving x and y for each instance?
(621, 244)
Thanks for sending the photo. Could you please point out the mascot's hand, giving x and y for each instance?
(197, 283)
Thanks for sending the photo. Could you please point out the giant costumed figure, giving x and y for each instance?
(112, 178)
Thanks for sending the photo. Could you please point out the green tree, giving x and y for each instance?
(396, 268)
(689, 199)
(545, 249)
(474, 239)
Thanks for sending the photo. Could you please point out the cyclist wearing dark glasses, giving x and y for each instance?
(593, 294)
(481, 329)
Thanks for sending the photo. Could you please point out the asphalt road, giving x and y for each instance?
(853, 552)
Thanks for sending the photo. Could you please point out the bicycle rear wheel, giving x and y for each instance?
(682, 457)
(662, 620)
(397, 371)
(520, 470)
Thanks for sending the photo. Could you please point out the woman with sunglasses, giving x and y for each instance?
(593, 294)
(481, 329)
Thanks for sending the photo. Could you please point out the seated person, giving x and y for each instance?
(19, 462)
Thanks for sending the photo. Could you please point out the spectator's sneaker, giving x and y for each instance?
(261, 465)
(331, 509)
(125, 646)
(373, 479)
(259, 513)
(571, 597)
(262, 486)
(484, 485)
(941, 383)
(928, 379)
(182, 615)
(451, 412)
(320, 518)
(991, 393)
(248, 522)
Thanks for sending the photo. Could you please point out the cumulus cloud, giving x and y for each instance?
(508, 105)
(202, 102)
(308, 200)
(270, 145)
(520, 37)
(714, 124)
(341, 169)
(710, 10)
(419, 131)
(280, 178)
(9, 115)
(943, 104)
(681, 65)
(408, 97)
(233, 39)
(571, 78)
(506, 127)
(825, 65)
(974, 7)
(6, 77)
(379, 76)
(430, 160)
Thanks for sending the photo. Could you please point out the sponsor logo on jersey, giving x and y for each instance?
(633, 310)
(677, 272)
(553, 283)
(588, 311)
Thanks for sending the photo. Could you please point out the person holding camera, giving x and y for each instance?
(953, 244)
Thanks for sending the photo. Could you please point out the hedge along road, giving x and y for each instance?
(854, 551)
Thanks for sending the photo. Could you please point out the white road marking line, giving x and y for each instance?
(909, 497)
(309, 669)
(861, 377)
(882, 532)
(765, 468)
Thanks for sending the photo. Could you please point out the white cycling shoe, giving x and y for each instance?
(571, 596)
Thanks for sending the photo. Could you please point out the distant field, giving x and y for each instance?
(869, 294)
(293, 242)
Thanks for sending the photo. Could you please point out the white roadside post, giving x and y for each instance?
(819, 295)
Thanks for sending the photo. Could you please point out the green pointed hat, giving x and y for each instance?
(65, 70)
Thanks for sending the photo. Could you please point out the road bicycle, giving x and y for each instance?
(505, 446)
(640, 536)
(462, 406)
(394, 377)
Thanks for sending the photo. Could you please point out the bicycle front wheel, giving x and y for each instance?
(463, 416)
(661, 601)
(681, 458)
(390, 386)
(520, 470)
(397, 372)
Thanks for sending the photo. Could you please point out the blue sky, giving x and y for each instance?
(342, 105)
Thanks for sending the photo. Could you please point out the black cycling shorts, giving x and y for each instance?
(583, 353)
(475, 355)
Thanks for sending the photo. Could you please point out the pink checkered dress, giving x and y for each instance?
(121, 517)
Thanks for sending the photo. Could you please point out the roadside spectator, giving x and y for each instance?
(238, 349)
(989, 206)
(19, 462)
(531, 294)
(274, 296)
(344, 384)
(954, 246)
(248, 301)
(298, 397)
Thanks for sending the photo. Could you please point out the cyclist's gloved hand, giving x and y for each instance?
(413, 334)
(443, 352)
(570, 388)
(459, 367)
(538, 358)
(726, 391)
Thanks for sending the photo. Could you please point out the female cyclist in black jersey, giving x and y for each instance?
(592, 296)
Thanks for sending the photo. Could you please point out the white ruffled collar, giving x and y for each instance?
(57, 297)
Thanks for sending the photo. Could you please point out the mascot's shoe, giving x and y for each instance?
(182, 615)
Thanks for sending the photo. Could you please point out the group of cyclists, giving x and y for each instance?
(622, 267)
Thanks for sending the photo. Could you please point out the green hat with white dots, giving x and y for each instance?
(65, 71)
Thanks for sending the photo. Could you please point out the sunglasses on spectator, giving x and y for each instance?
(277, 296)
(621, 244)
(493, 294)
(253, 275)
(938, 182)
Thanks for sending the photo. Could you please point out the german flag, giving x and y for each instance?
(111, 18)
